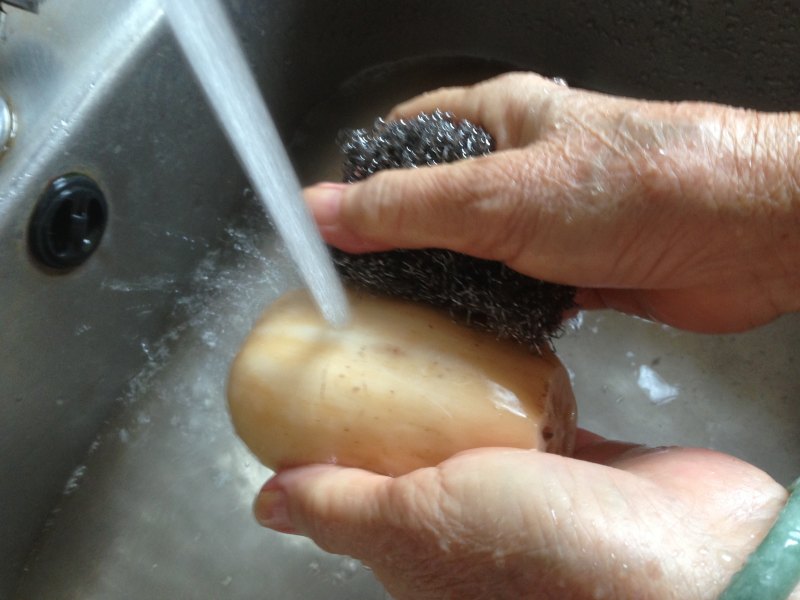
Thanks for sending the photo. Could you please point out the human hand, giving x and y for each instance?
(617, 522)
(684, 213)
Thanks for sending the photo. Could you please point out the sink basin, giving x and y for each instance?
(120, 475)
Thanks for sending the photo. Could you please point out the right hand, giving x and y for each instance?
(683, 213)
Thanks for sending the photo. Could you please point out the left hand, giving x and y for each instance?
(617, 521)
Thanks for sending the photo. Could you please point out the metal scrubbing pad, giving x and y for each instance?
(481, 293)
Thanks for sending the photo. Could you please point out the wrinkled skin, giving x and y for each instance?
(683, 213)
(614, 522)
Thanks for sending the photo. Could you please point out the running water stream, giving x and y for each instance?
(210, 45)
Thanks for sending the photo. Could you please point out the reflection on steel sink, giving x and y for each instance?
(120, 475)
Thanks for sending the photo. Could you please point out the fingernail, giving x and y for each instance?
(325, 201)
(270, 510)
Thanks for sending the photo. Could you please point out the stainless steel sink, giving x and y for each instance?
(120, 476)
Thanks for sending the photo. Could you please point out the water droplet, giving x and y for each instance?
(348, 569)
(600, 593)
(210, 339)
(74, 481)
(82, 328)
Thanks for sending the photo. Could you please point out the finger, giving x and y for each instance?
(606, 452)
(339, 508)
(468, 103)
(345, 230)
(700, 472)
(621, 300)
(627, 301)
(584, 437)
(711, 310)
(594, 448)
(452, 99)
(515, 207)
(359, 513)
(418, 208)
(508, 106)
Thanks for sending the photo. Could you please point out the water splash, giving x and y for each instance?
(210, 45)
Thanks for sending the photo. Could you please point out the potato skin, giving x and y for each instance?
(401, 387)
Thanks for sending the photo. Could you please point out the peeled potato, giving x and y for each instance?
(401, 387)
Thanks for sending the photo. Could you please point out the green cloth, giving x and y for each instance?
(772, 571)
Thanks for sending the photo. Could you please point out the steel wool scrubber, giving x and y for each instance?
(481, 293)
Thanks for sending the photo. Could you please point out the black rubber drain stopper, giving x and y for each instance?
(68, 222)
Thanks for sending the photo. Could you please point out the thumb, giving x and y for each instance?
(339, 508)
(520, 207)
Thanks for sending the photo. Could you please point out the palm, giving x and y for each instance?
(615, 522)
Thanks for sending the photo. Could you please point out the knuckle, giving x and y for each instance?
(425, 502)
(508, 207)
(379, 205)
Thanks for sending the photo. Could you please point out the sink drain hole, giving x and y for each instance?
(68, 222)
